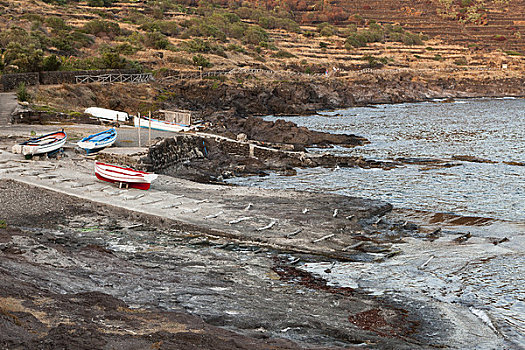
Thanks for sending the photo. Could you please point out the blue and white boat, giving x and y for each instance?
(96, 142)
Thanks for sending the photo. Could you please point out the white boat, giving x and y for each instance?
(107, 114)
(130, 177)
(98, 141)
(41, 145)
(163, 125)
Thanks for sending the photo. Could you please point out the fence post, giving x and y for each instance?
(149, 131)
(138, 127)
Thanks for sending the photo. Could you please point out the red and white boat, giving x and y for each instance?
(41, 145)
(127, 176)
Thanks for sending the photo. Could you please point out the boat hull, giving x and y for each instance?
(107, 114)
(41, 145)
(96, 142)
(140, 186)
(116, 174)
(161, 125)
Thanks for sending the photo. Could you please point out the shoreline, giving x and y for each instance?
(226, 271)
(376, 237)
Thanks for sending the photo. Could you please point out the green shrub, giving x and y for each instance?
(57, 24)
(326, 29)
(375, 62)
(156, 40)
(100, 27)
(18, 35)
(236, 48)
(283, 54)
(356, 40)
(109, 59)
(512, 53)
(411, 39)
(71, 41)
(197, 45)
(268, 45)
(378, 33)
(254, 35)
(51, 63)
(26, 58)
(22, 94)
(126, 49)
(100, 3)
(112, 60)
(201, 61)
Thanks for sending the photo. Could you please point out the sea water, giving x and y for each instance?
(489, 131)
(484, 142)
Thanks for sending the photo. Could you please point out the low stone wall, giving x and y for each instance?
(60, 77)
(42, 118)
(10, 82)
(176, 149)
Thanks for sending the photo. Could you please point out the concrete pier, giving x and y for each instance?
(286, 220)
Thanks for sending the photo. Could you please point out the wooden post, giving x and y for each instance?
(149, 131)
(138, 127)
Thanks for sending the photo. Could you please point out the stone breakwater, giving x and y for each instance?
(206, 157)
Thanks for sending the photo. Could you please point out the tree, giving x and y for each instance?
(51, 63)
(25, 58)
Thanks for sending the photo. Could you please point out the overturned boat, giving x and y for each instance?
(107, 114)
(125, 177)
(96, 142)
(41, 145)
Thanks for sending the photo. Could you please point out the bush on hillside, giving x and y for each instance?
(255, 35)
(19, 35)
(100, 3)
(57, 24)
(100, 28)
(378, 33)
(201, 61)
(23, 58)
(326, 29)
(156, 40)
(51, 63)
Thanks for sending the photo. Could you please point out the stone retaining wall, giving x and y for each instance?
(176, 149)
(10, 82)
(42, 118)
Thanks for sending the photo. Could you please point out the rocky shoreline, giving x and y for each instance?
(118, 271)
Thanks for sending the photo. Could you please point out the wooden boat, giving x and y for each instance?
(96, 142)
(41, 145)
(124, 176)
(157, 124)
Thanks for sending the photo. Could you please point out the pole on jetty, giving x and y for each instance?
(138, 128)
(149, 132)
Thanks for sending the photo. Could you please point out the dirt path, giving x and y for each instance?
(8, 103)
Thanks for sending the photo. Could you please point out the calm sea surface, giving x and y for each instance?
(488, 129)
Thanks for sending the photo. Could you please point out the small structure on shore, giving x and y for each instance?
(179, 116)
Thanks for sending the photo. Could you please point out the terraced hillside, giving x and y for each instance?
(496, 24)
